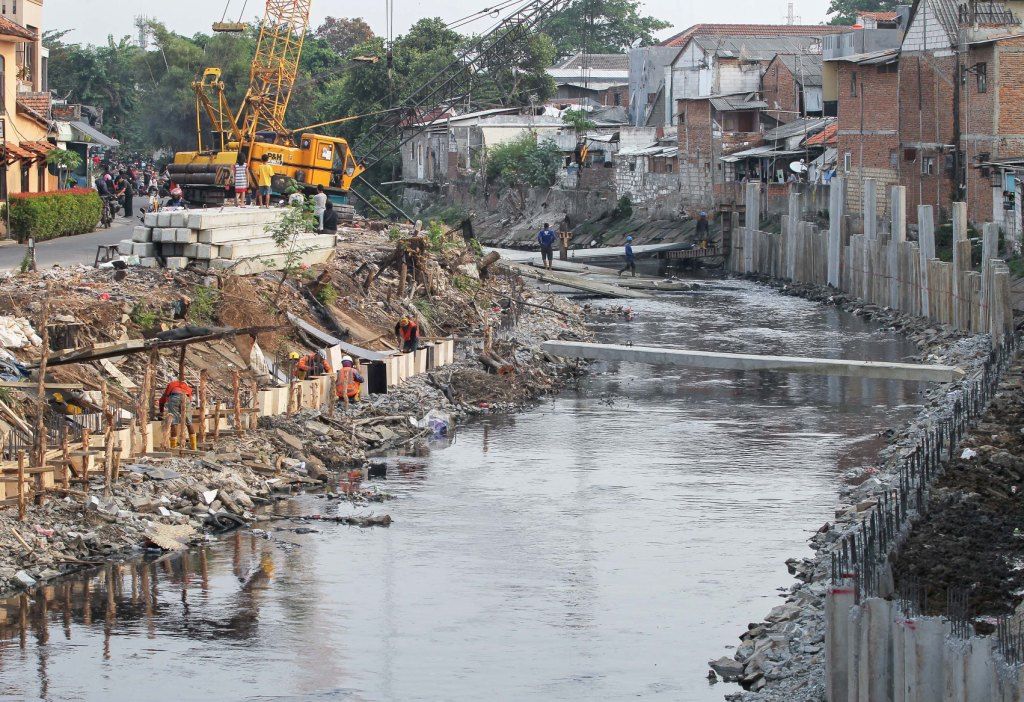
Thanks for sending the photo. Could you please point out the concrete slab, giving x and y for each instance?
(576, 282)
(751, 362)
(266, 245)
(142, 234)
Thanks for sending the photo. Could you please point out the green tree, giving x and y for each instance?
(601, 27)
(844, 12)
(524, 162)
(341, 34)
(65, 161)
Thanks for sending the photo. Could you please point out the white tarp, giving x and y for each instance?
(17, 333)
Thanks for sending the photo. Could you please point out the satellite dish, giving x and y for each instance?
(798, 167)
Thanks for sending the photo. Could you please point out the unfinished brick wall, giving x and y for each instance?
(696, 152)
(780, 89)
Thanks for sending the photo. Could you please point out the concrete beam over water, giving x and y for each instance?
(750, 362)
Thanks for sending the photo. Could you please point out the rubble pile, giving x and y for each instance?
(782, 658)
(166, 500)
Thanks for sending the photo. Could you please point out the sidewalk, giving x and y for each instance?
(69, 250)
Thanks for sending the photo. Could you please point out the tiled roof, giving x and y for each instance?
(753, 30)
(880, 16)
(826, 137)
(37, 102)
(12, 29)
(597, 62)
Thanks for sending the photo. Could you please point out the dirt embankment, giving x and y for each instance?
(178, 496)
(972, 538)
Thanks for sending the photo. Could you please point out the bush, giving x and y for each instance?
(50, 215)
(524, 162)
(623, 209)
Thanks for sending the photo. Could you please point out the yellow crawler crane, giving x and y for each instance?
(258, 128)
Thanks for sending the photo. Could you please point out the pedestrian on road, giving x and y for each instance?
(320, 206)
(264, 178)
(630, 259)
(129, 196)
(546, 238)
(241, 180)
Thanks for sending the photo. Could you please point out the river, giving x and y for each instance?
(601, 546)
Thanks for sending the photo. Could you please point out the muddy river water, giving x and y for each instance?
(601, 546)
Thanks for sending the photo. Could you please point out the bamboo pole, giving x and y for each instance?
(216, 420)
(142, 408)
(237, 396)
(202, 406)
(39, 446)
(65, 451)
(21, 486)
(255, 414)
(108, 455)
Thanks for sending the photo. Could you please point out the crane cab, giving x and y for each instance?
(314, 160)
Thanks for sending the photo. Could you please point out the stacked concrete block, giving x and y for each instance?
(230, 239)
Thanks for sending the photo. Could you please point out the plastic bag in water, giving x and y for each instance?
(439, 423)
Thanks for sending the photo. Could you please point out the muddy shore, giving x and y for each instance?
(781, 659)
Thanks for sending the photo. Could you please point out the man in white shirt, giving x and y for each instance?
(319, 206)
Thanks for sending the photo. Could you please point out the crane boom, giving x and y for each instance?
(274, 67)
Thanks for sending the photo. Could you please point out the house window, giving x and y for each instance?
(41, 174)
(981, 74)
(847, 159)
(25, 188)
(894, 159)
(927, 165)
(618, 99)
(853, 84)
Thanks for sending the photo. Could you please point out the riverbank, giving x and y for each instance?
(170, 499)
(781, 659)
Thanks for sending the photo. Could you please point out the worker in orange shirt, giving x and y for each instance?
(311, 365)
(350, 381)
(407, 332)
(176, 406)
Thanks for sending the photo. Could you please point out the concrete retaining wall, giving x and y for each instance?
(880, 266)
(874, 653)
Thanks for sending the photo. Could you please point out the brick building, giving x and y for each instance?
(867, 139)
(961, 78)
(791, 85)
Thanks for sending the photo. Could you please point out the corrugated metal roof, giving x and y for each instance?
(756, 48)
(804, 126)
(596, 62)
(871, 57)
(94, 135)
(806, 68)
(731, 103)
(757, 30)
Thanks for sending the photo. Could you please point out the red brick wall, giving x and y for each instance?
(926, 116)
(697, 159)
(868, 130)
(779, 88)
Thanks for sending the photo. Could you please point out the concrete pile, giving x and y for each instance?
(235, 239)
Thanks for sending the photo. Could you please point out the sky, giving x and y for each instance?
(92, 20)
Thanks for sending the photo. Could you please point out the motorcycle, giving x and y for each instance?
(111, 207)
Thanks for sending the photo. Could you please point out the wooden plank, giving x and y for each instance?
(576, 282)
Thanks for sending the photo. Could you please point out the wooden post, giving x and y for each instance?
(65, 451)
(291, 385)
(254, 415)
(108, 454)
(202, 406)
(21, 486)
(216, 420)
(142, 406)
(181, 364)
(330, 405)
(238, 403)
(40, 443)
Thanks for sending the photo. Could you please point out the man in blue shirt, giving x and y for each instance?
(630, 259)
(546, 238)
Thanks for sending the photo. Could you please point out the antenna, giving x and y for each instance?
(142, 24)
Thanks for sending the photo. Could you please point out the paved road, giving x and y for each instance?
(70, 250)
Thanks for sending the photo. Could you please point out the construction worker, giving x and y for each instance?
(350, 381)
(630, 258)
(176, 406)
(408, 333)
(312, 365)
(546, 238)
